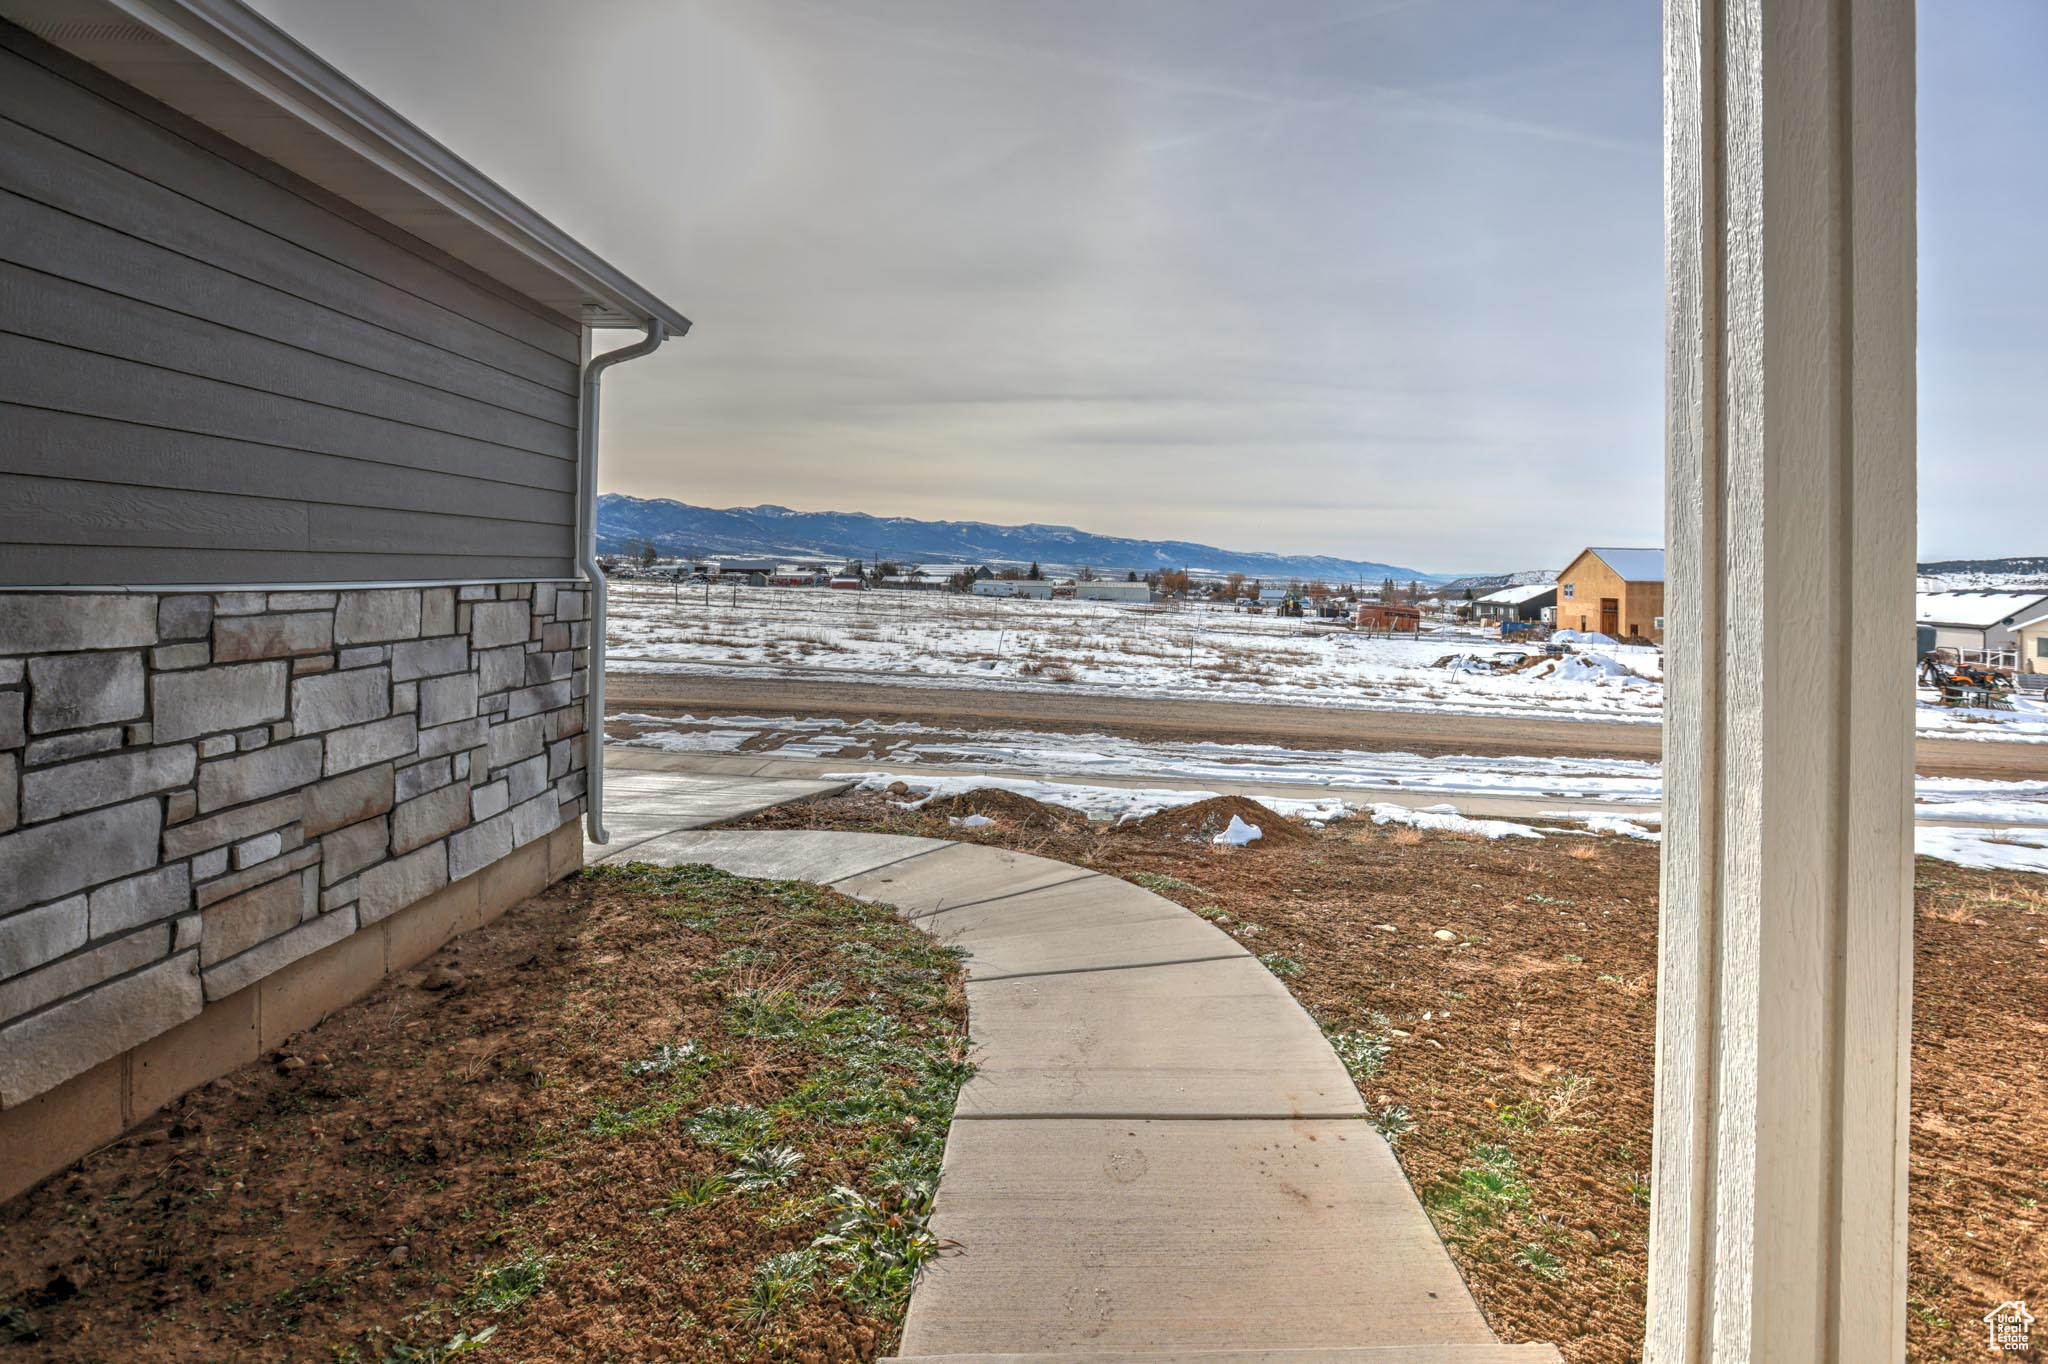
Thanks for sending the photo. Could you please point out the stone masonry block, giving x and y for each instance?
(444, 700)
(232, 826)
(235, 925)
(455, 738)
(13, 719)
(377, 616)
(515, 740)
(364, 655)
(524, 780)
(500, 669)
(345, 852)
(237, 639)
(423, 777)
(497, 623)
(437, 611)
(187, 617)
(380, 741)
(429, 658)
(48, 792)
(42, 934)
(79, 743)
(73, 691)
(249, 740)
(536, 819)
(259, 850)
(544, 598)
(474, 848)
(208, 700)
(56, 623)
(81, 971)
(261, 873)
(239, 603)
(43, 862)
(45, 1049)
(347, 800)
(253, 776)
(301, 601)
(146, 899)
(272, 954)
(167, 658)
(432, 816)
(485, 801)
(391, 886)
(534, 700)
(10, 792)
(332, 700)
(476, 592)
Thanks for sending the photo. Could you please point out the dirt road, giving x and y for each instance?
(1224, 722)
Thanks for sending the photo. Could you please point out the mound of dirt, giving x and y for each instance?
(1205, 819)
(1005, 807)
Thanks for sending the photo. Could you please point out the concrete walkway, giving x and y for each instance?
(1159, 1157)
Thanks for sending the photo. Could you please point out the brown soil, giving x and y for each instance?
(1522, 1051)
(1006, 807)
(1203, 820)
(403, 1173)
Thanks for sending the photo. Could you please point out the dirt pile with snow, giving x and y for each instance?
(1005, 807)
(1202, 821)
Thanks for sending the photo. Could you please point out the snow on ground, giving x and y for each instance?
(1178, 650)
(1059, 766)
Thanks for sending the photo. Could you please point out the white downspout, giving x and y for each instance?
(586, 559)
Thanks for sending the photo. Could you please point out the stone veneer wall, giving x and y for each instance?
(199, 790)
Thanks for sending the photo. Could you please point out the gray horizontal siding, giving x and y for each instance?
(210, 372)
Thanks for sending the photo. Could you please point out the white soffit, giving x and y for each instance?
(222, 65)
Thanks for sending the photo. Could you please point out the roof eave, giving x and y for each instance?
(243, 47)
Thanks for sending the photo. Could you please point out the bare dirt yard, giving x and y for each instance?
(649, 1115)
(1496, 1001)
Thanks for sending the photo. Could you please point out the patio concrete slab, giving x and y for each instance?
(1195, 1039)
(780, 855)
(639, 805)
(965, 873)
(1095, 1237)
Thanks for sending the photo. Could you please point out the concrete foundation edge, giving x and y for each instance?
(43, 1136)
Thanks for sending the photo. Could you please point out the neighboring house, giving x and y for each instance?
(1617, 592)
(2031, 638)
(1516, 603)
(296, 648)
(1977, 620)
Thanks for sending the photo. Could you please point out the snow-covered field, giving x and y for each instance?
(1178, 651)
(1173, 650)
(1106, 776)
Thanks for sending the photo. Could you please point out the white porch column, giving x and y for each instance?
(1779, 1222)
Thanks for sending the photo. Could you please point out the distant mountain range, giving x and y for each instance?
(679, 530)
(2024, 571)
(1479, 584)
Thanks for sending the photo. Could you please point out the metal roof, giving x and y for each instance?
(225, 66)
(1973, 610)
(1634, 565)
(1515, 596)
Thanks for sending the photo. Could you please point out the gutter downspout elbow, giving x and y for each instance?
(586, 559)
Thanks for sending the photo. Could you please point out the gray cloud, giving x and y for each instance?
(1377, 280)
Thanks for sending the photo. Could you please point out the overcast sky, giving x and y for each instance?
(1378, 278)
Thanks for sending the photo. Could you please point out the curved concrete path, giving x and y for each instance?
(1159, 1157)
